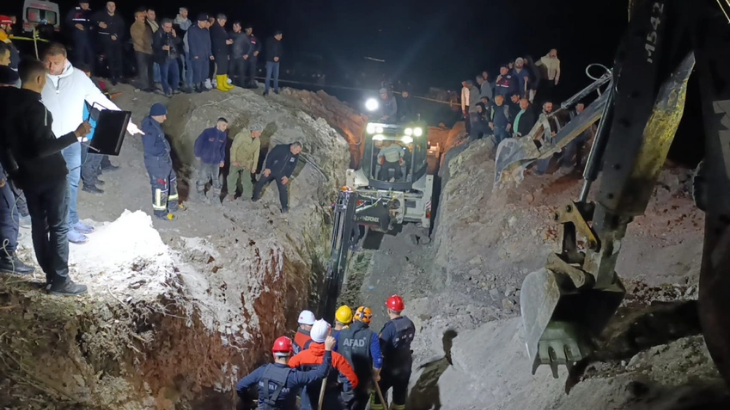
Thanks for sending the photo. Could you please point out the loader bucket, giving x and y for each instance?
(561, 320)
(513, 157)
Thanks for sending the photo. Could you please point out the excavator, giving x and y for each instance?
(567, 304)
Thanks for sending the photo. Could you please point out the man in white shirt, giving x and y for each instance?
(64, 94)
(465, 98)
(390, 157)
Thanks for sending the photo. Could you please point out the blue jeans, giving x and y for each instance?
(272, 68)
(72, 155)
(9, 218)
(156, 73)
(500, 134)
(170, 73)
(187, 71)
(90, 165)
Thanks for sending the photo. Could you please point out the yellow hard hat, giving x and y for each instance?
(344, 315)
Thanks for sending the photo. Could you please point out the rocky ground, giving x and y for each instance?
(462, 291)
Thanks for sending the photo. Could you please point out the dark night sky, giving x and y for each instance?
(440, 42)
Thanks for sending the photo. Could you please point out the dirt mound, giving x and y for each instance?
(177, 311)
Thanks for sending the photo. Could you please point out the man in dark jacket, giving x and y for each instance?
(78, 20)
(500, 121)
(165, 46)
(210, 150)
(32, 156)
(525, 119)
(252, 57)
(111, 30)
(273, 57)
(506, 83)
(159, 164)
(240, 47)
(280, 165)
(200, 51)
(220, 42)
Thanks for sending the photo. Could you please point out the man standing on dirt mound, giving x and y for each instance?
(361, 347)
(395, 338)
(310, 359)
(277, 382)
(210, 150)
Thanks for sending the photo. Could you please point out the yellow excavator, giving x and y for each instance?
(567, 304)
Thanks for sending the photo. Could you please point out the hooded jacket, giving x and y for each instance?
(281, 161)
(64, 95)
(181, 23)
(210, 146)
(245, 150)
(199, 43)
(154, 141)
(314, 355)
(26, 131)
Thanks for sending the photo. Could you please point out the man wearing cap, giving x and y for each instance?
(200, 51)
(78, 21)
(302, 339)
(244, 161)
(210, 150)
(277, 382)
(395, 340)
(311, 358)
(158, 162)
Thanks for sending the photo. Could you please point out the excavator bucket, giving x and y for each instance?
(561, 314)
(514, 155)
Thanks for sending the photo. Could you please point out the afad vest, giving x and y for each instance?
(354, 345)
(398, 354)
(273, 384)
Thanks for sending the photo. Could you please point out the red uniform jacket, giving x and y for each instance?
(315, 355)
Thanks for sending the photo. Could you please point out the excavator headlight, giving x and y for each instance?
(372, 104)
(407, 139)
(409, 131)
(370, 129)
(418, 131)
(378, 137)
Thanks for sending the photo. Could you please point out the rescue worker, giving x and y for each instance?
(280, 164)
(111, 30)
(158, 162)
(278, 383)
(252, 57)
(6, 26)
(210, 150)
(361, 347)
(395, 339)
(313, 356)
(78, 21)
(302, 339)
(343, 318)
(244, 161)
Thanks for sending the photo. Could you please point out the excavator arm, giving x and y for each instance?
(566, 305)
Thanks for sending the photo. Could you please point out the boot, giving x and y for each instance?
(167, 217)
(225, 83)
(221, 83)
(11, 264)
(92, 189)
(67, 288)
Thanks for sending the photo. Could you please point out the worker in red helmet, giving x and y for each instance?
(395, 340)
(6, 25)
(278, 384)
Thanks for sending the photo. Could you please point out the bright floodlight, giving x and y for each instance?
(371, 104)
(379, 137)
(409, 131)
(379, 129)
(418, 131)
(407, 140)
(370, 128)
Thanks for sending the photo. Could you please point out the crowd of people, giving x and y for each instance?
(179, 54)
(504, 108)
(356, 365)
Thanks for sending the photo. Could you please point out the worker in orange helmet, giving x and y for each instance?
(277, 382)
(395, 340)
